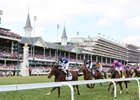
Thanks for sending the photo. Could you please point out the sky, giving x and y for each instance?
(116, 20)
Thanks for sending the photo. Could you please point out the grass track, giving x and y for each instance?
(98, 93)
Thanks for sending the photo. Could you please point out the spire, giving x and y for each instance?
(28, 28)
(64, 36)
(28, 23)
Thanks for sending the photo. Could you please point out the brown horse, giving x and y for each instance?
(137, 73)
(60, 76)
(129, 72)
(88, 75)
(116, 74)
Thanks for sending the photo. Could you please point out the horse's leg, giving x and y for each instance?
(74, 88)
(120, 84)
(51, 90)
(109, 86)
(58, 91)
(92, 85)
(88, 86)
(126, 86)
(101, 84)
(77, 89)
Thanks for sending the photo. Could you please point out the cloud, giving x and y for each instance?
(132, 40)
(133, 22)
(53, 12)
(103, 22)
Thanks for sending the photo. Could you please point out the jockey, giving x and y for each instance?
(138, 69)
(118, 66)
(88, 64)
(99, 66)
(64, 63)
(127, 67)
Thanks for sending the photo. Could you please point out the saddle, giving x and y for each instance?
(69, 76)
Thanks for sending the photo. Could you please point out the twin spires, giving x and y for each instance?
(28, 29)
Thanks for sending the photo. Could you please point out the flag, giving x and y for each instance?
(57, 26)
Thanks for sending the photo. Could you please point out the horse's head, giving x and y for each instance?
(52, 71)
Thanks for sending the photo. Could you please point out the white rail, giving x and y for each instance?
(69, 84)
(107, 80)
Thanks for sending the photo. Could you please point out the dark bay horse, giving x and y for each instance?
(116, 74)
(129, 72)
(88, 75)
(60, 76)
(137, 73)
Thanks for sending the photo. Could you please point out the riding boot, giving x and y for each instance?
(67, 73)
(91, 73)
(121, 73)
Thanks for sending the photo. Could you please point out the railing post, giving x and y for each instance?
(71, 88)
(138, 86)
(115, 89)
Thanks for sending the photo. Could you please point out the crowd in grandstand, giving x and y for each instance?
(9, 34)
(9, 54)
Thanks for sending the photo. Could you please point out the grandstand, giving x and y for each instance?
(43, 54)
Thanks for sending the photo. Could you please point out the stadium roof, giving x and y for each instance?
(4, 29)
(38, 41)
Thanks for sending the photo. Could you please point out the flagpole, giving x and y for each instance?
(57, 42)
(35, 19)
(77, 46)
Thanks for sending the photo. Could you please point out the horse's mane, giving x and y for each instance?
(56, 65)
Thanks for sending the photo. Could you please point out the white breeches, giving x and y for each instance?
(89, 66)
(119, 68)
(65, 66)
(100, 69)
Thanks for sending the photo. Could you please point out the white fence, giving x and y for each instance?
(57, 84)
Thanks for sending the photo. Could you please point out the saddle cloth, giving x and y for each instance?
(69, 78)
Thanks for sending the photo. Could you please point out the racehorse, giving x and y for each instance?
(116, 74)
(88, 75)
(137, 73)
(60, 76)
(129, 73)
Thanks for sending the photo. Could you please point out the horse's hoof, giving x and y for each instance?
(126, 90)
(120, 92)
(48, 93)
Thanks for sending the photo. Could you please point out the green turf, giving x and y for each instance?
(98, 93)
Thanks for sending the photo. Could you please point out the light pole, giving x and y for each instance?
(1, 12)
